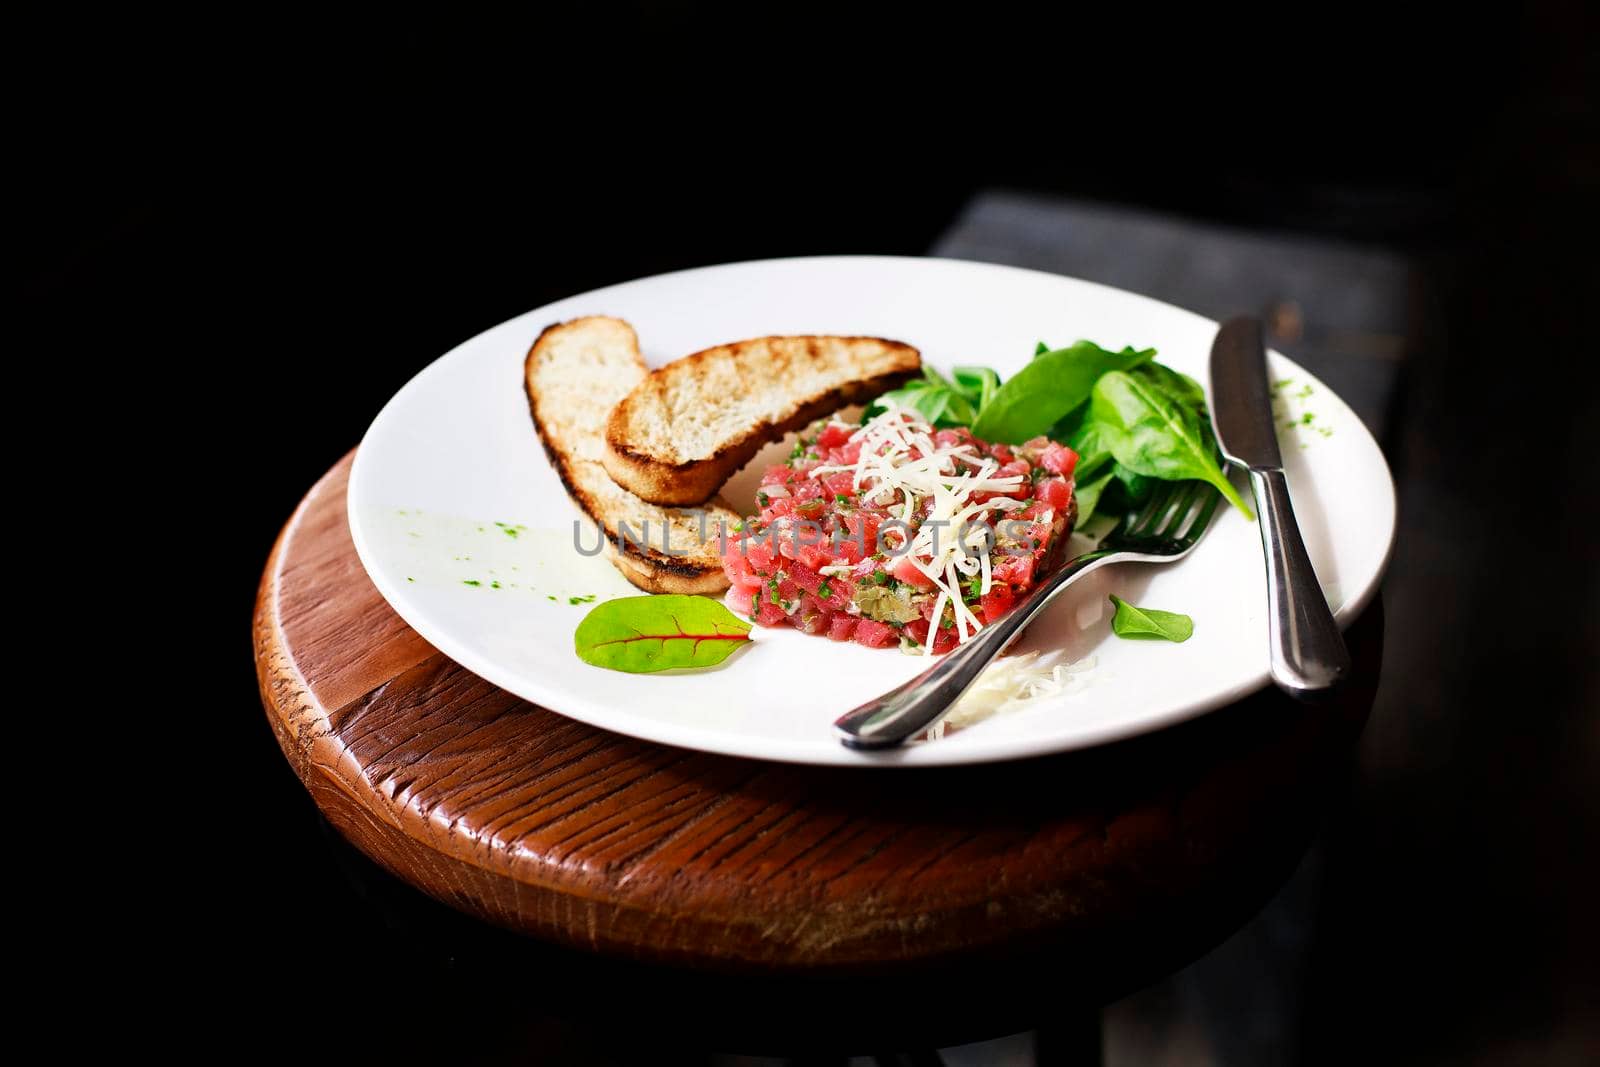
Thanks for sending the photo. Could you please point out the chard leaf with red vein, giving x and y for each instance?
(640, 634)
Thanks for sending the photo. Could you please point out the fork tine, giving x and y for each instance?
(1189, 532)
(1160, 500)
(1173, 518)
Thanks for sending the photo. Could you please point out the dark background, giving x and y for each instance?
(239, 241)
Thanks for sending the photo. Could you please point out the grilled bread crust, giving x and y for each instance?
(575, 373)
(679, 434)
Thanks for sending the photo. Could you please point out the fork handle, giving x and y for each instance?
(901, 714)
(1308, 653)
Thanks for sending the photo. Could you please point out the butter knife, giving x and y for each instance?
(1307, 652)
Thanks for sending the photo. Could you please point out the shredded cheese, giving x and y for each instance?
(902, 470)
(1013, 683)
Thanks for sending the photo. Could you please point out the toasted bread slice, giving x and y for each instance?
(575, 374)
(680, 433)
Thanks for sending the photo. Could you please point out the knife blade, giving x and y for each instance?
(1241, 402)
(1306, 652)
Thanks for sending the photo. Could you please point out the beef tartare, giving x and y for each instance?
(894, 533)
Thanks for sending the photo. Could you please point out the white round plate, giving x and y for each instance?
(451, 487)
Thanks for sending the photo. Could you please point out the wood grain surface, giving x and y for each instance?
(1145, 852)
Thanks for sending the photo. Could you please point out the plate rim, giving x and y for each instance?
(998, 750)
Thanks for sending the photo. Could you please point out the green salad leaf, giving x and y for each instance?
(1132, 421)
(1136, 488)
(1092, 447)
(640, 634)
(1087, 494)
(934, 397)
(1148, 623)
(1069, 425)
(1180, 387)
(1154, 422)
(977, 384)
(1048, 388)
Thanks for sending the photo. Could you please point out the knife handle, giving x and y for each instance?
(1308, 653)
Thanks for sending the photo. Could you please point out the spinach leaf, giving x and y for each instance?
(1148, 623)
(947, 407)
(1091, 444)
(1149, 422)
(1069, 424)
(1049, 387)
(1180, 387)
(933, 397)
(1087, 494)
(941, 406)
(977, 384)
(1136, 487)
(936, 380)
(639, 634)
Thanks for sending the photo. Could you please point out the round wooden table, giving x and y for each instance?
(1104, 869)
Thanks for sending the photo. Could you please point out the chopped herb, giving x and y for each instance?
(842, 500)
(947, 622)
(881, 578)
(581, 599)
(762, 499)
(1037, 475)
(494, 585)
(470, 581)
(824, 590)
(409, 578)
(738, 527)
(550, 596)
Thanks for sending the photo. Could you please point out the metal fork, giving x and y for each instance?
(1167, 528)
